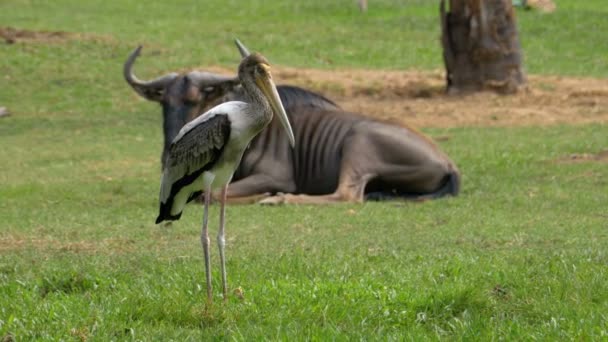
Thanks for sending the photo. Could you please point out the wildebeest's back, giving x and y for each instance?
(293, 97)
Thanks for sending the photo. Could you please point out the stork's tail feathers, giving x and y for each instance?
(164, 213)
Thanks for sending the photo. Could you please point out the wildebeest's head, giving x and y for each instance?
(182, 97)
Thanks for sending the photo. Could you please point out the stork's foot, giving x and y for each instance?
(279, 198)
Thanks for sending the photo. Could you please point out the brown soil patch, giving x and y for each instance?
(584, 157)
(418, 99)
(546, 6)
(9, 243)
(13, 35)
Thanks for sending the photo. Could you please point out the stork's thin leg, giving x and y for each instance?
(205, 242)
(221, 241)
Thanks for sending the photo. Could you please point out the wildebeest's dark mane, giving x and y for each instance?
(293, 96)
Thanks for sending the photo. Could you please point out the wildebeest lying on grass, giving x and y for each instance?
(339, 156)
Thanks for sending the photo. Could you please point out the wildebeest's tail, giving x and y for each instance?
(450, 187)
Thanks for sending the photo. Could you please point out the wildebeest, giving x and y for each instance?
(339, 156)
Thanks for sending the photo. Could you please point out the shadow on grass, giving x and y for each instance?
(69, 283)
(450, 311)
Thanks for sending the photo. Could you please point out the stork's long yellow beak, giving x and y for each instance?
(270, 91)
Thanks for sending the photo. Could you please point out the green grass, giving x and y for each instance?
(392, 34)
(519, 255)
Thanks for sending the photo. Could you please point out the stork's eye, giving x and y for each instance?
(260, 70)
(208, 90)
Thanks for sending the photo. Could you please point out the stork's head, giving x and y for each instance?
(254, 70)
(254, 73)
(182, 97)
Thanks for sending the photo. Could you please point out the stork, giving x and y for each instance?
(206, 151)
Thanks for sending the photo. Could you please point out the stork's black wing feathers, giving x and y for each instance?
(201, 144)
(195, 150)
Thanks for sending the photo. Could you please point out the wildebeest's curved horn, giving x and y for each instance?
(204, 79)
(242, 49)
(151, 90)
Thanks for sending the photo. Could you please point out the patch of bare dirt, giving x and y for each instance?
(13, 35)
(418, 99)
(546, 6)
(11, 243)
(584, 157)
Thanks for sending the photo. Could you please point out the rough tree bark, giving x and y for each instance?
(362, 5)
(481, 48)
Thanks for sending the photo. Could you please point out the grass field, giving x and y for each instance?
(519, 255)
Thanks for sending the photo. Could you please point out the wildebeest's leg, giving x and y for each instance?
(410, 164)
(254, 188)
(396, 157)
(351, 188)
(248, 199)
(353, 178)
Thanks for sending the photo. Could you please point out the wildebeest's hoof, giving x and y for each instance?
(274, 200)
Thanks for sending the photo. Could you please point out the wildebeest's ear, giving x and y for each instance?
(210, 82)
(218, 87)
(214, 93)
(230, 85)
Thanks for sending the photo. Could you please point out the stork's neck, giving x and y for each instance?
(261, 111)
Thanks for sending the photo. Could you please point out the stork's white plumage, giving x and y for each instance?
(222, 126)
(207, 151)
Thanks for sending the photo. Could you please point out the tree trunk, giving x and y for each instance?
(480, 46)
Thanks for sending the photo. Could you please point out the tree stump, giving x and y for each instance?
(481, 49)
(362, 5)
